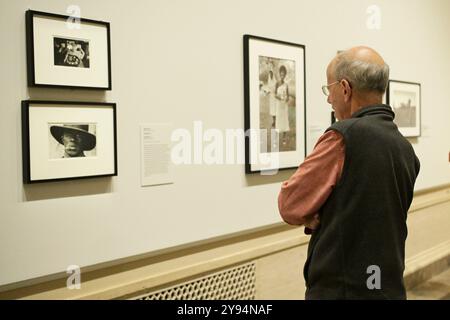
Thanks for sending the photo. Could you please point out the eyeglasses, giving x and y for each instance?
(325, 89)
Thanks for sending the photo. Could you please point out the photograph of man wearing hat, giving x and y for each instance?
(75, 138)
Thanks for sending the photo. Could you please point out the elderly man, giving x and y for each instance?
(354, 190)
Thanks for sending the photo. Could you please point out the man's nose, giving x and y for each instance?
(328, 99)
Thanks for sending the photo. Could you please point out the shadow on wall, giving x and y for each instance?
(66, 189)
(413, 140)
(67, 95)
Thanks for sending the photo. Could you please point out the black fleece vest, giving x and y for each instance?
(363, 222)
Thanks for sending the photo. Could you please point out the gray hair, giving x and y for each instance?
(362, 75)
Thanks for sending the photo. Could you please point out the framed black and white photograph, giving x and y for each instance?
(275, 104)
(404, 99)
(66, 52)
(68, 140)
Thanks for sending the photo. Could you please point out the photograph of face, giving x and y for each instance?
(405, 108)
(277, 100)
(71, 52)
(72, 140)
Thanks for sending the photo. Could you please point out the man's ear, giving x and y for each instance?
(347, 90)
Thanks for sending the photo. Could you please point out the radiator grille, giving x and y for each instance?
(236, 283)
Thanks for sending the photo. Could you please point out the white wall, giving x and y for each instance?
(181, 61)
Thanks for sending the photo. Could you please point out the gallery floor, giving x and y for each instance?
(436, 288)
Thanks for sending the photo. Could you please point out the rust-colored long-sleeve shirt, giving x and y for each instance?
(302, 196)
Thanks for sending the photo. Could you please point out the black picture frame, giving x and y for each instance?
(41, 119)
(49, 72)
(257, 51)
(400, 95)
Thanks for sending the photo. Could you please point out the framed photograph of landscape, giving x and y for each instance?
(67, 52)
(275, 104)
(68, 140)
(405, 100)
